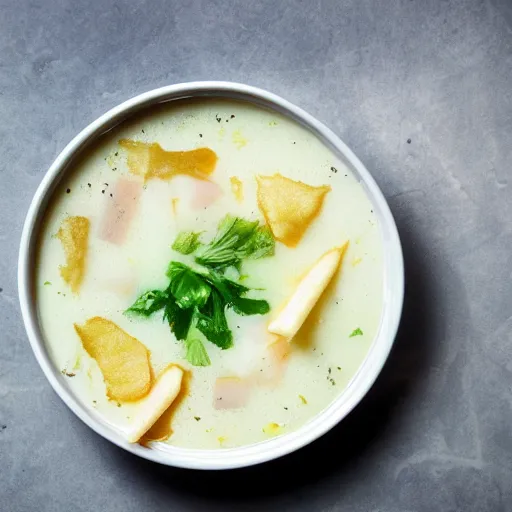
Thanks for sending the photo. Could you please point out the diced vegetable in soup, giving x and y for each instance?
(216, 276)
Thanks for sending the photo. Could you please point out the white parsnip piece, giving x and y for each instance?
(159, 399)
(312, 285)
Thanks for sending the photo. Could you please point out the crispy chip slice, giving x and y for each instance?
(150, 160)
(123, 360)
(74, 236)
(289, 206)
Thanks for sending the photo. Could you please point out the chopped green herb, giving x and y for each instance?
(235, 240)
(196, 353)
(303, 399)
(187, 242)
(212, 322)
(197, 418)
(194, 304)
(187, 286)
(179, 319)
(47, 283)
(148, 303)
(261, 244)
(356, 332)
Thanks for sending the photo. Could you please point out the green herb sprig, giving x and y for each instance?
(236, 239)
(195, 303)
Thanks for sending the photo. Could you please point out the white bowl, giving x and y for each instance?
(276, 447)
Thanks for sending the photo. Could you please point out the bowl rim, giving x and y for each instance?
(361, 382)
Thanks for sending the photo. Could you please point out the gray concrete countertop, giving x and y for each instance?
(421, 90)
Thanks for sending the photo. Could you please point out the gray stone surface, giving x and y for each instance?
(435, 432)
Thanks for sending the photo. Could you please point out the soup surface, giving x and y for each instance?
(130, 256)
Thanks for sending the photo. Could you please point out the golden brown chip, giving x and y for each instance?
(150, 160)
(123, 360)
(74, 235)
(289, 206)
(237, 187)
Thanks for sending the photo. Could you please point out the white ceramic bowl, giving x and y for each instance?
(360, 383)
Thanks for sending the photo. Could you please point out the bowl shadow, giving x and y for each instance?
(359, 439)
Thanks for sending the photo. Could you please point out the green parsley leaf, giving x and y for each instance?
(232, 234)
(179, 319)
(187, 242)
(196, 353)
(235, 240)
(47, 283)
(231, 292)
(244, 306)
(227, 288)
(212, 322)
(148, 303)
(188, 287)
(356, 332)
(260, 245)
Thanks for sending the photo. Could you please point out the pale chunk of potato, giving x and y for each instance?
(74, 236)
(289, 206)
(123, 359)
(312, 285)
(162, 395)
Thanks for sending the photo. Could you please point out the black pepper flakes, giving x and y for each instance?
(143, 131)
(409, 141)
(232, 116)
(68, 191)
(197, 418)
(89, 185)
(111, 195)
(217, 118)
(285, 408)
(4, 427)
(102, 191)
(116, 153)
(201, 135)
(334, 170)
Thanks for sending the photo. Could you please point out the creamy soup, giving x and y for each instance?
(131, 196)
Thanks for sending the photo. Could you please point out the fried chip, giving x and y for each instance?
(150, 160)
(123, 360)
(289, 206)
(74, 236)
